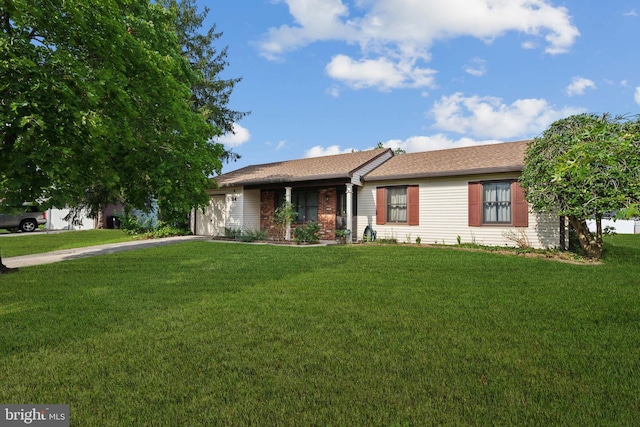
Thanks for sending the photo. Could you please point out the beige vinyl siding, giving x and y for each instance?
(222, 212)
(234, 208)
(240, 210)
(366, 210)
(251, 210)
(444, 216)
(546, 227)
(445, 206)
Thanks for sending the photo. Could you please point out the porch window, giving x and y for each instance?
(305, 204)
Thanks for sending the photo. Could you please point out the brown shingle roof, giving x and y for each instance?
(492, 158)
(310, 169)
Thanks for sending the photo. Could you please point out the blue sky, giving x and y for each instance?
(331, 76)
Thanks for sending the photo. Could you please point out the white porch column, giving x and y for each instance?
(349, 212)
(287, 198)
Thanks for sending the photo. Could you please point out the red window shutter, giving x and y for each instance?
(520, 207)
(381, 205)
(413, 217)
(475, 204)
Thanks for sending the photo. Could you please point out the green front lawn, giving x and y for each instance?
(35, 243)
(209, 333)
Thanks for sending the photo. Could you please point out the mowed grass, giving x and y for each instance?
(208, 333)
(40, 242)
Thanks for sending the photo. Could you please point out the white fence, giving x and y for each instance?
(620, 226)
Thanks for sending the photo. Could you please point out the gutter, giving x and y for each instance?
(477, 171)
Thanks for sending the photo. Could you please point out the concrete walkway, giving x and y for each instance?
(69, 254)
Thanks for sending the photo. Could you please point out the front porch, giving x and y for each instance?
(329, 206)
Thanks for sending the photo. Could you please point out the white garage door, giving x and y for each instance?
(211, 222)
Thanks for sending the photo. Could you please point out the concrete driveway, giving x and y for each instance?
(69, 254)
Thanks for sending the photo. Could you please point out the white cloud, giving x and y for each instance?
(315, 19)
(623, 83)
(489, 117)
(239, 136)
(277, 146)
(631, 13)
(400, 33)
(579, 85)
(334, 91)
(477, 67)
(413, 144)
(636, 95)
(381, 73)
(434, 142)
(318, 151)
(416, 25)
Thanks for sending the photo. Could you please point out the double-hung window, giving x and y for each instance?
(398, 205)
(497, 203)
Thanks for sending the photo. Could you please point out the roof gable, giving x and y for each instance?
(348, 166)
(491, 158)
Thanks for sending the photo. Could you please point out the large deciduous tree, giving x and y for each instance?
(582, 167)
(109, 100)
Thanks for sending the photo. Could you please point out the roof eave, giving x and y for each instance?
(285, 180)
(439, 174)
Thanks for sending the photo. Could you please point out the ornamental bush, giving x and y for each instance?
(308, 233)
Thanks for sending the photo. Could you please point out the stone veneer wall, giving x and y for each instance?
(327, 203)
